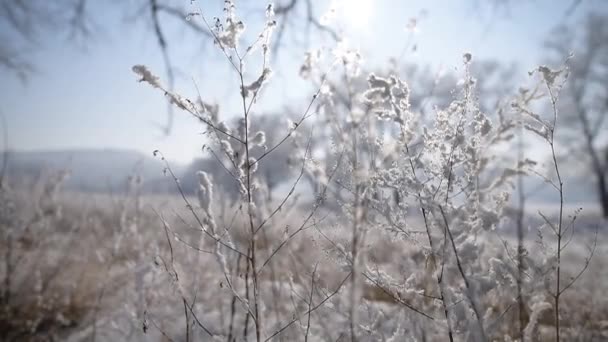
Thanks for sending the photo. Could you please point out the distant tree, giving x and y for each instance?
(585, 96)
(221, 179)
(274, 171)
(24, 23)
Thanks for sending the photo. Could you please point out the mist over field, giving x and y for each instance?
(304, 170)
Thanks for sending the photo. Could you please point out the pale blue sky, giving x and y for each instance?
(90, 99)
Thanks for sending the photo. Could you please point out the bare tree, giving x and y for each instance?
(585, 96)
(24, 22)
(23, 25)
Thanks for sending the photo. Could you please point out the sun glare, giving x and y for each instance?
(356, 12)
(352, 13)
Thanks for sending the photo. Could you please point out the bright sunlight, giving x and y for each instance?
(351, 13)
(356, 12)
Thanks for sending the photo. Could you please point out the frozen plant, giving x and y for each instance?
(399, 236)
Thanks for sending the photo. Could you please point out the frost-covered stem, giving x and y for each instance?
(273, 286)
(298, 124)
(464, 277)
(246, 325)
(190, 208)
(217, 40)
(188, 109)
(455, 143)
(187, 319)
(312, 287)
(291, 191)
(5, 153)
(354, 244)
(8, 263)
(248, 165)
(233, 303)
(440, 281)
(113, 256)
(252, 244)
(304, 223)
(172, 271)
(296, 318)
(427, 227)
(520, 235)
(561, 211)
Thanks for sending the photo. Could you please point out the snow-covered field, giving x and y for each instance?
(102, 268)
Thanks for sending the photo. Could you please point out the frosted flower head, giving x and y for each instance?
(412, 25)
(379, 88)
(203, 179)
(310, 61)
(259, 139)
(213, 110)
(231, 34)
(548, 74)
(227, 148)
(241, 128)
(205, 190)
(228, 35)
(146, 75)
(270, 11)
(325, 89)
(350, 58)
(265, 36)
(255, 87)
(401, 92)
(253, 165)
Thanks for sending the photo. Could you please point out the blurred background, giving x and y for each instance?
(69, 100)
